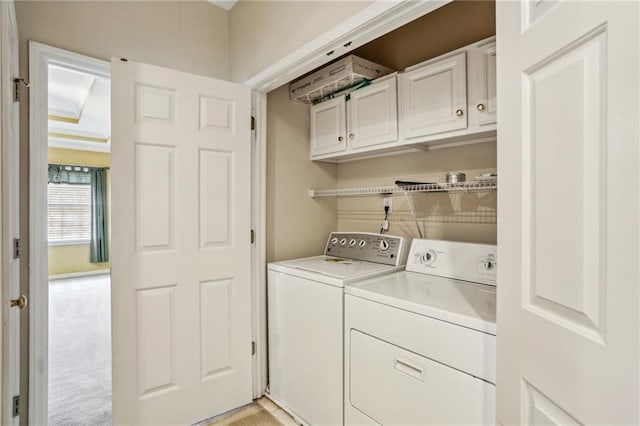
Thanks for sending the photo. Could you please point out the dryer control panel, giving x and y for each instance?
(368, 247)
(462, 261)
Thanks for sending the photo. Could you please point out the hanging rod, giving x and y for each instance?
(404, 189)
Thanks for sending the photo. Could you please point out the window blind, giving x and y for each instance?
(69, 212)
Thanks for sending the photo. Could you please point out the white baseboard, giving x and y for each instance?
(79, 274)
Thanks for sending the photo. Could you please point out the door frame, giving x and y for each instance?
(9, 223)
(40, 56)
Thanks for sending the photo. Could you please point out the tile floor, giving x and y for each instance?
(262, 412)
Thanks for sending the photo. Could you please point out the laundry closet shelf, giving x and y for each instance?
(472, 186)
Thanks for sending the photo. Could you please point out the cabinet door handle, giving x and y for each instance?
(459, 112)
(340, 138)
(480, 107)
(351, 136)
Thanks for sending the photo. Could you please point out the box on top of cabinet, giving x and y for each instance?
(334, 77)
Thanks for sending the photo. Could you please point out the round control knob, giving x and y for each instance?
(334, 240)
(362, 243)
(352, 242)
(384, 245)
(428, 257)
(343, 241)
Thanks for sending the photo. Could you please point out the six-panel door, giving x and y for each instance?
(180, 243)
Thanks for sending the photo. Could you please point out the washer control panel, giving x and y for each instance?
(368, 247)
(461, 261)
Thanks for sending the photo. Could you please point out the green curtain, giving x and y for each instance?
(99, 232)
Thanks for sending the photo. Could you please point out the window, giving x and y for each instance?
(69, 213)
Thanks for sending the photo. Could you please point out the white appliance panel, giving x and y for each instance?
(305, 348)
(331, 270)
(462, 348)
(458, 302)
(394, 386)
(462, 261)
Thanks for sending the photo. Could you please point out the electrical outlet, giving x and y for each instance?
(388, 203)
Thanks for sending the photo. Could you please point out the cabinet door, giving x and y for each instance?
(487, 105)
(434, 97)
(372, 115)
(328, 124)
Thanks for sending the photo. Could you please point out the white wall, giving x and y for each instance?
(263, 32)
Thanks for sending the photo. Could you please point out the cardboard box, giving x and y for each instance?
(334, 77)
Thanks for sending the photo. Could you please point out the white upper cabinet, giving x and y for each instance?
(448, 99)
(372, 115)
(328, 127)
(482, 83)
(434, 96)
(363, 121)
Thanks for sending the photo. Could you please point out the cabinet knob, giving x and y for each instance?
(351, 136)
(459, 112)
(480, 107)
(340, 138)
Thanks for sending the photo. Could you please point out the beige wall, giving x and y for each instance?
(297, 225)
(190, 36)
(456, 217)
(263, 32)
(74, 258)
(448, 28)
(76, 157)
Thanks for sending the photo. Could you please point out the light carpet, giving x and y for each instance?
(80, 351)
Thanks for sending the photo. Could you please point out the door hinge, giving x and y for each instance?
(17, 248)
(253, 236)
(253, 348)
(253, 123)
(15, 408)
(16, 88)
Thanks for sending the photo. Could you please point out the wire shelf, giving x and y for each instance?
(472, 186)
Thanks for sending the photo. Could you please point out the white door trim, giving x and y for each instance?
(9, 212)
(40, 56)
(370, 23)
(259, 249)
(380, 18)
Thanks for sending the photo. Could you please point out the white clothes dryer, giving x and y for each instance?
(306, 321)
(420, 344)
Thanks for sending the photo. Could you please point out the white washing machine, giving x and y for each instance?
(420, 344)
(306, 321)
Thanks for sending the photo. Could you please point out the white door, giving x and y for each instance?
(181, 302)
(10, 215)
(434, 96)
(372, 114)
(328, 127)
(568, 230)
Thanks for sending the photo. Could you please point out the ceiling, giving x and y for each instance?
(225, 4)
(79, 110)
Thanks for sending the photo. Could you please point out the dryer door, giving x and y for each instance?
(394, 386)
